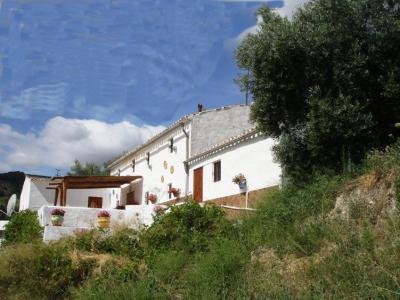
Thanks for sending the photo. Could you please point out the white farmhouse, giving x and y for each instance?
(199, 155)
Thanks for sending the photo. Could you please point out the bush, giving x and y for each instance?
(287, 222)
(188, 226)
(214, 275)
(23, 227)
(38, 271)
(114, 282)
(123, 241)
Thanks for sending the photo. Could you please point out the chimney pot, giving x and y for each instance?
(199, 107)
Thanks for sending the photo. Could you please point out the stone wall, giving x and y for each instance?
(215, 126)
(239, 200)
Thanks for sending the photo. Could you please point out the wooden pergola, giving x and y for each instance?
(62, 184)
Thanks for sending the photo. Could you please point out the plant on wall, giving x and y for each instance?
(240, 180)
(174, 191)
(151, 197)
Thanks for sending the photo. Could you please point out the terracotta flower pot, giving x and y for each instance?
(57, 220)
(103, 222)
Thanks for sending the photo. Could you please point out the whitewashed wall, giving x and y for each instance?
(79, 197)
(83, 217)
(253, 158)
(34, 195)
(24, 198)
(159, 152)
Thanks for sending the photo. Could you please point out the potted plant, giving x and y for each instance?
(176, 192)
(152, 198)
(57, 216)
(240, 180)
(103, 219)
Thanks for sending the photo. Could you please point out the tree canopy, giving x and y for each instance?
(87, 169)
(326, 83)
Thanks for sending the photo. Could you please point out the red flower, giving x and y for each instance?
(152, 198)
(57, 212)
(176, 192)
(103, 214)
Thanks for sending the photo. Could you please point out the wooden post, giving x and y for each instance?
(56, 196)
(64, 194)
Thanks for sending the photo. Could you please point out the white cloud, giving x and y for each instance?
(63, 140)
(42, 98)
(289, 7)
(287, 10)
(250, 30)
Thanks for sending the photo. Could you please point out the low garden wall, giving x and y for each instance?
(83, 217)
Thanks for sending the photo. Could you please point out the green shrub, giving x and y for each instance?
(123, 241)
(114, 282)
(188, 226)
(38, 271)
(167, 266)
(23, 227)
(285, 220)
(215, 274)
(384, 161)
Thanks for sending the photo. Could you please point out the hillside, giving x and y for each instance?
(10, 183)
(337, 237)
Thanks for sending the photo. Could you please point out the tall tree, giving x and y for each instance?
(87, 169)
(326, 84)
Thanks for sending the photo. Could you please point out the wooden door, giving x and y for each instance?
(95, 202)
(198, 184)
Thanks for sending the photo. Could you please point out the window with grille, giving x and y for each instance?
(217, 171)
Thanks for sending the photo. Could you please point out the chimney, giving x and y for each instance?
(199, 107)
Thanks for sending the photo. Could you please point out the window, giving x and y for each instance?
(169, 190)
(133, 165)
(148, 158)
(171, 144)
(217, 171)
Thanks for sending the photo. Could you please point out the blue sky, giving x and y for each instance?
(89, 79)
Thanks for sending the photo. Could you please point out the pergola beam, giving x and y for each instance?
(62, 184)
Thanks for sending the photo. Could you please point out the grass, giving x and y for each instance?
(295, 246)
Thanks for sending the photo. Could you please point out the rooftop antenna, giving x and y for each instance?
(10, 205)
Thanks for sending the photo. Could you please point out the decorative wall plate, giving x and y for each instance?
(172, 170)
(165, 165)
(162, 179)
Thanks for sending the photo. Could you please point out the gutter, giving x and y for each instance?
(185, 163)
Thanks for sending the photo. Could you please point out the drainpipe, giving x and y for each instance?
(186, 165)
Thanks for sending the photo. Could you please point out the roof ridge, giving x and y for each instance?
(167, 129)
(227, 141)
(37, 176)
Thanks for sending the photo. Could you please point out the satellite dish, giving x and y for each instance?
(10, 205)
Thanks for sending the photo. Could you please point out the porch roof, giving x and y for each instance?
(92, 182)
(62, 184)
